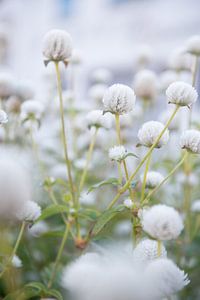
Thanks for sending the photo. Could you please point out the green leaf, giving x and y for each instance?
(106, 217)
(130, 154)
(89, 214)
(36, 285)
(51, 211)
(57, 295)
(113, 181)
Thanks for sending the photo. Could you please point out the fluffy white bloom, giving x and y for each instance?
(179, 60)
(165, 277)
(30, 211)
(102, 75)
(32, 108)
(97, 91)
(181, 93)
(7, 84)
(191, 179)
(196, 206)
(193, 45)
(119, 99)
(166, 78)
(190, 140)
(3, 117)
(150, 131)
(57, 46)
(25, 90)
(153, 179)
(147, 250)
(128, 203)
(145, 85)
(98, 119)
(162, 222)
(16, 262)
(117, 153)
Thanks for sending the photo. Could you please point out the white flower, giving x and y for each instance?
(57, 46)
(166, 78)
(119, 99)
(32, 108)
(180, 61)
(97, 91)
(16, 262)
(144, 55)
(96, 118)
(191, 179)
(30, 211)
(150, 131)
(38, 229)
(147, 250)
(162, 222)
(190, 140)
(181, 93)
(7, 84)
(102, 75)
(153, 179)
(128, 203)
(193, 45)
(117, 153)
(145, 85)
(165, 277)
(76, 57)
(25, 90)
(196, 206)
(3, 117)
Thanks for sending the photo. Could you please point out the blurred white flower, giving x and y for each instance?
(57, 46)
(7, 84)
(147, 250)
(165, 278)
(144, 55)
(153, 179)
(32, 108)
(179, 60)
(150, 131)
(181, 93)
(76, 57)
(117, 153)
(97, 119)
(166, 78)
(193, 45)
(195, 206)
(38, 229)
(30, 211)
(97, 91)
(87, 199)
(128, 203)
(190, 140)
(190, 179)
(162, 222)
(145, 85)
(101, 75)
(16, 262)
(25, 90)
(119, 99)
(3, 117)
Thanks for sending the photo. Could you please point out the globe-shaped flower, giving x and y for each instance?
(30, 211)
(145, 85)
(190, 140)
(119, 99)
(117, 153)
(181, 93)
(193, 45)
(153, 179)
(96, 118)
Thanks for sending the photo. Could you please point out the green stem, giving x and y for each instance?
(126, 185)
(167, 177)
(159, 248)
(15, 247)
(59, 255)
(63, 133)
(145, 178)
(88, 159)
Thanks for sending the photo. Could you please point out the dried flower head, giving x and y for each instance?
(153, 179)
(181, 93)
(3, 117)
(193, 45)
(145, 85)
(57, 46)
(150, 131)
(119, 99)
(162, 222)
(190, 140)
(96, 118)
(117, 153)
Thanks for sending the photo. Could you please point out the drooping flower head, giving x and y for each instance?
(190, 140)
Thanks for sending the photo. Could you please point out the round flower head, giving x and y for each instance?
(165, 277)
(29, 212)
(181, 93)
(97, 119)
(32, 108)
(96, 92)
(128, 203)
(117, 153)
(119, 99)
(196, 206)
(153, 179)
(162, 222)
(7, 85)
(57, 46)
(147, 250)
(3, 117)
(190, 140)
(193, 45)
(150, 131)
(145, 85)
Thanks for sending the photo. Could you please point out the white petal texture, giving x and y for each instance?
(190, 140)
(181, 93)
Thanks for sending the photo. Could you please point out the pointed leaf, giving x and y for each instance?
(113, 181)
(51, 211)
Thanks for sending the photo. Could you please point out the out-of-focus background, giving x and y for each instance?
(108, 33)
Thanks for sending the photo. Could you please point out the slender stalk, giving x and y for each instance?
(167, 177)
(15, 248)
(126, 185)
(59, 255)
(63, 133)
(88, 159)
(145, 178)
(194, 71)
(159, 248)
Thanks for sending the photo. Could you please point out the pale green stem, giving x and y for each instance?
(145, 178)
(159, 248)
(15, 248)
(194, 75)
(63, 133)
(88, 159)
(167, 177)
(59, 255)
(126, 185)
